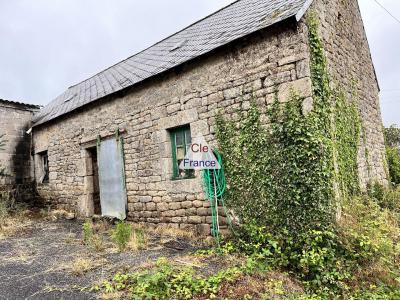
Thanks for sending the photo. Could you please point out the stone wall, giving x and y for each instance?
(349, 60)
(224, 80)
(15, 120)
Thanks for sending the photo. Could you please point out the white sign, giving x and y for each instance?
(199, 156)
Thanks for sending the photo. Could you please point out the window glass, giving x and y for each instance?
(45, 167)
(188, 137)
(180, 140)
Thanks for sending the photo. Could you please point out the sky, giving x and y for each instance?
(48, 45)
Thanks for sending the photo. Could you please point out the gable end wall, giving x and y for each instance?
(349, 59)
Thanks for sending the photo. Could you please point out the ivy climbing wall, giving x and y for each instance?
(350, 65)
(294, 173)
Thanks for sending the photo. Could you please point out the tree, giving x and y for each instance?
(392, 141)
(392, 136)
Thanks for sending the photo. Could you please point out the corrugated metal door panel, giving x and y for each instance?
(111, 178)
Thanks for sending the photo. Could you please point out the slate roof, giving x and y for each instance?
(236, 20)
(20, 104)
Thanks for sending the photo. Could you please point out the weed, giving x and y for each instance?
(4, 212)
(101, 226)
(174, 232)
(80, 266)
(87, 229)
(97, 243)
(12, 216)
(121, 235)
(166, 280)
(138, 240)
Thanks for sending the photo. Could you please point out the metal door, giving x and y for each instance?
(112, 178)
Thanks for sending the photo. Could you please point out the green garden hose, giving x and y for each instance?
(215, 186)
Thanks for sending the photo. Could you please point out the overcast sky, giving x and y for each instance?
(47, 45)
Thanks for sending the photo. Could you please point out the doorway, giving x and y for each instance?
(96, 186)
(104, 180)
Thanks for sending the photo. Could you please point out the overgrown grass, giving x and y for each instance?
(12, 216)
(138, 239)
(79, 266)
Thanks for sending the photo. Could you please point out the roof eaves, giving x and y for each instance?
(26, 105)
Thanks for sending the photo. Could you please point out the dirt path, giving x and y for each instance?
(39, 264)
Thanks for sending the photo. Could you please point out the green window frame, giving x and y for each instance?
(181, 140)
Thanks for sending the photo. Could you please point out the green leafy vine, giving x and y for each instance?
(292, 174)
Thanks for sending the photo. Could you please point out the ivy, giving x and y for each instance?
(348, 132)
(291, 174)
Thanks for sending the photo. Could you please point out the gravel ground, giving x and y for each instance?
(37, 263)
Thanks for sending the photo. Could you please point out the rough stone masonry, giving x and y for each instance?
(15, 158)
(272, 59)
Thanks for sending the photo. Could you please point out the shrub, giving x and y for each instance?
(314, 256)
(121, 235)
(362, 249)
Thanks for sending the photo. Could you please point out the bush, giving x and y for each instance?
(386, 197)
(393, 160)
(314, 256)
(121, 235)
(362, 250)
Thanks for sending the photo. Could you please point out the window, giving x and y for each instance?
(44, 164)
(180, 141)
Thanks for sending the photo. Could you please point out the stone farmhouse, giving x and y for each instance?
(112, 143)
